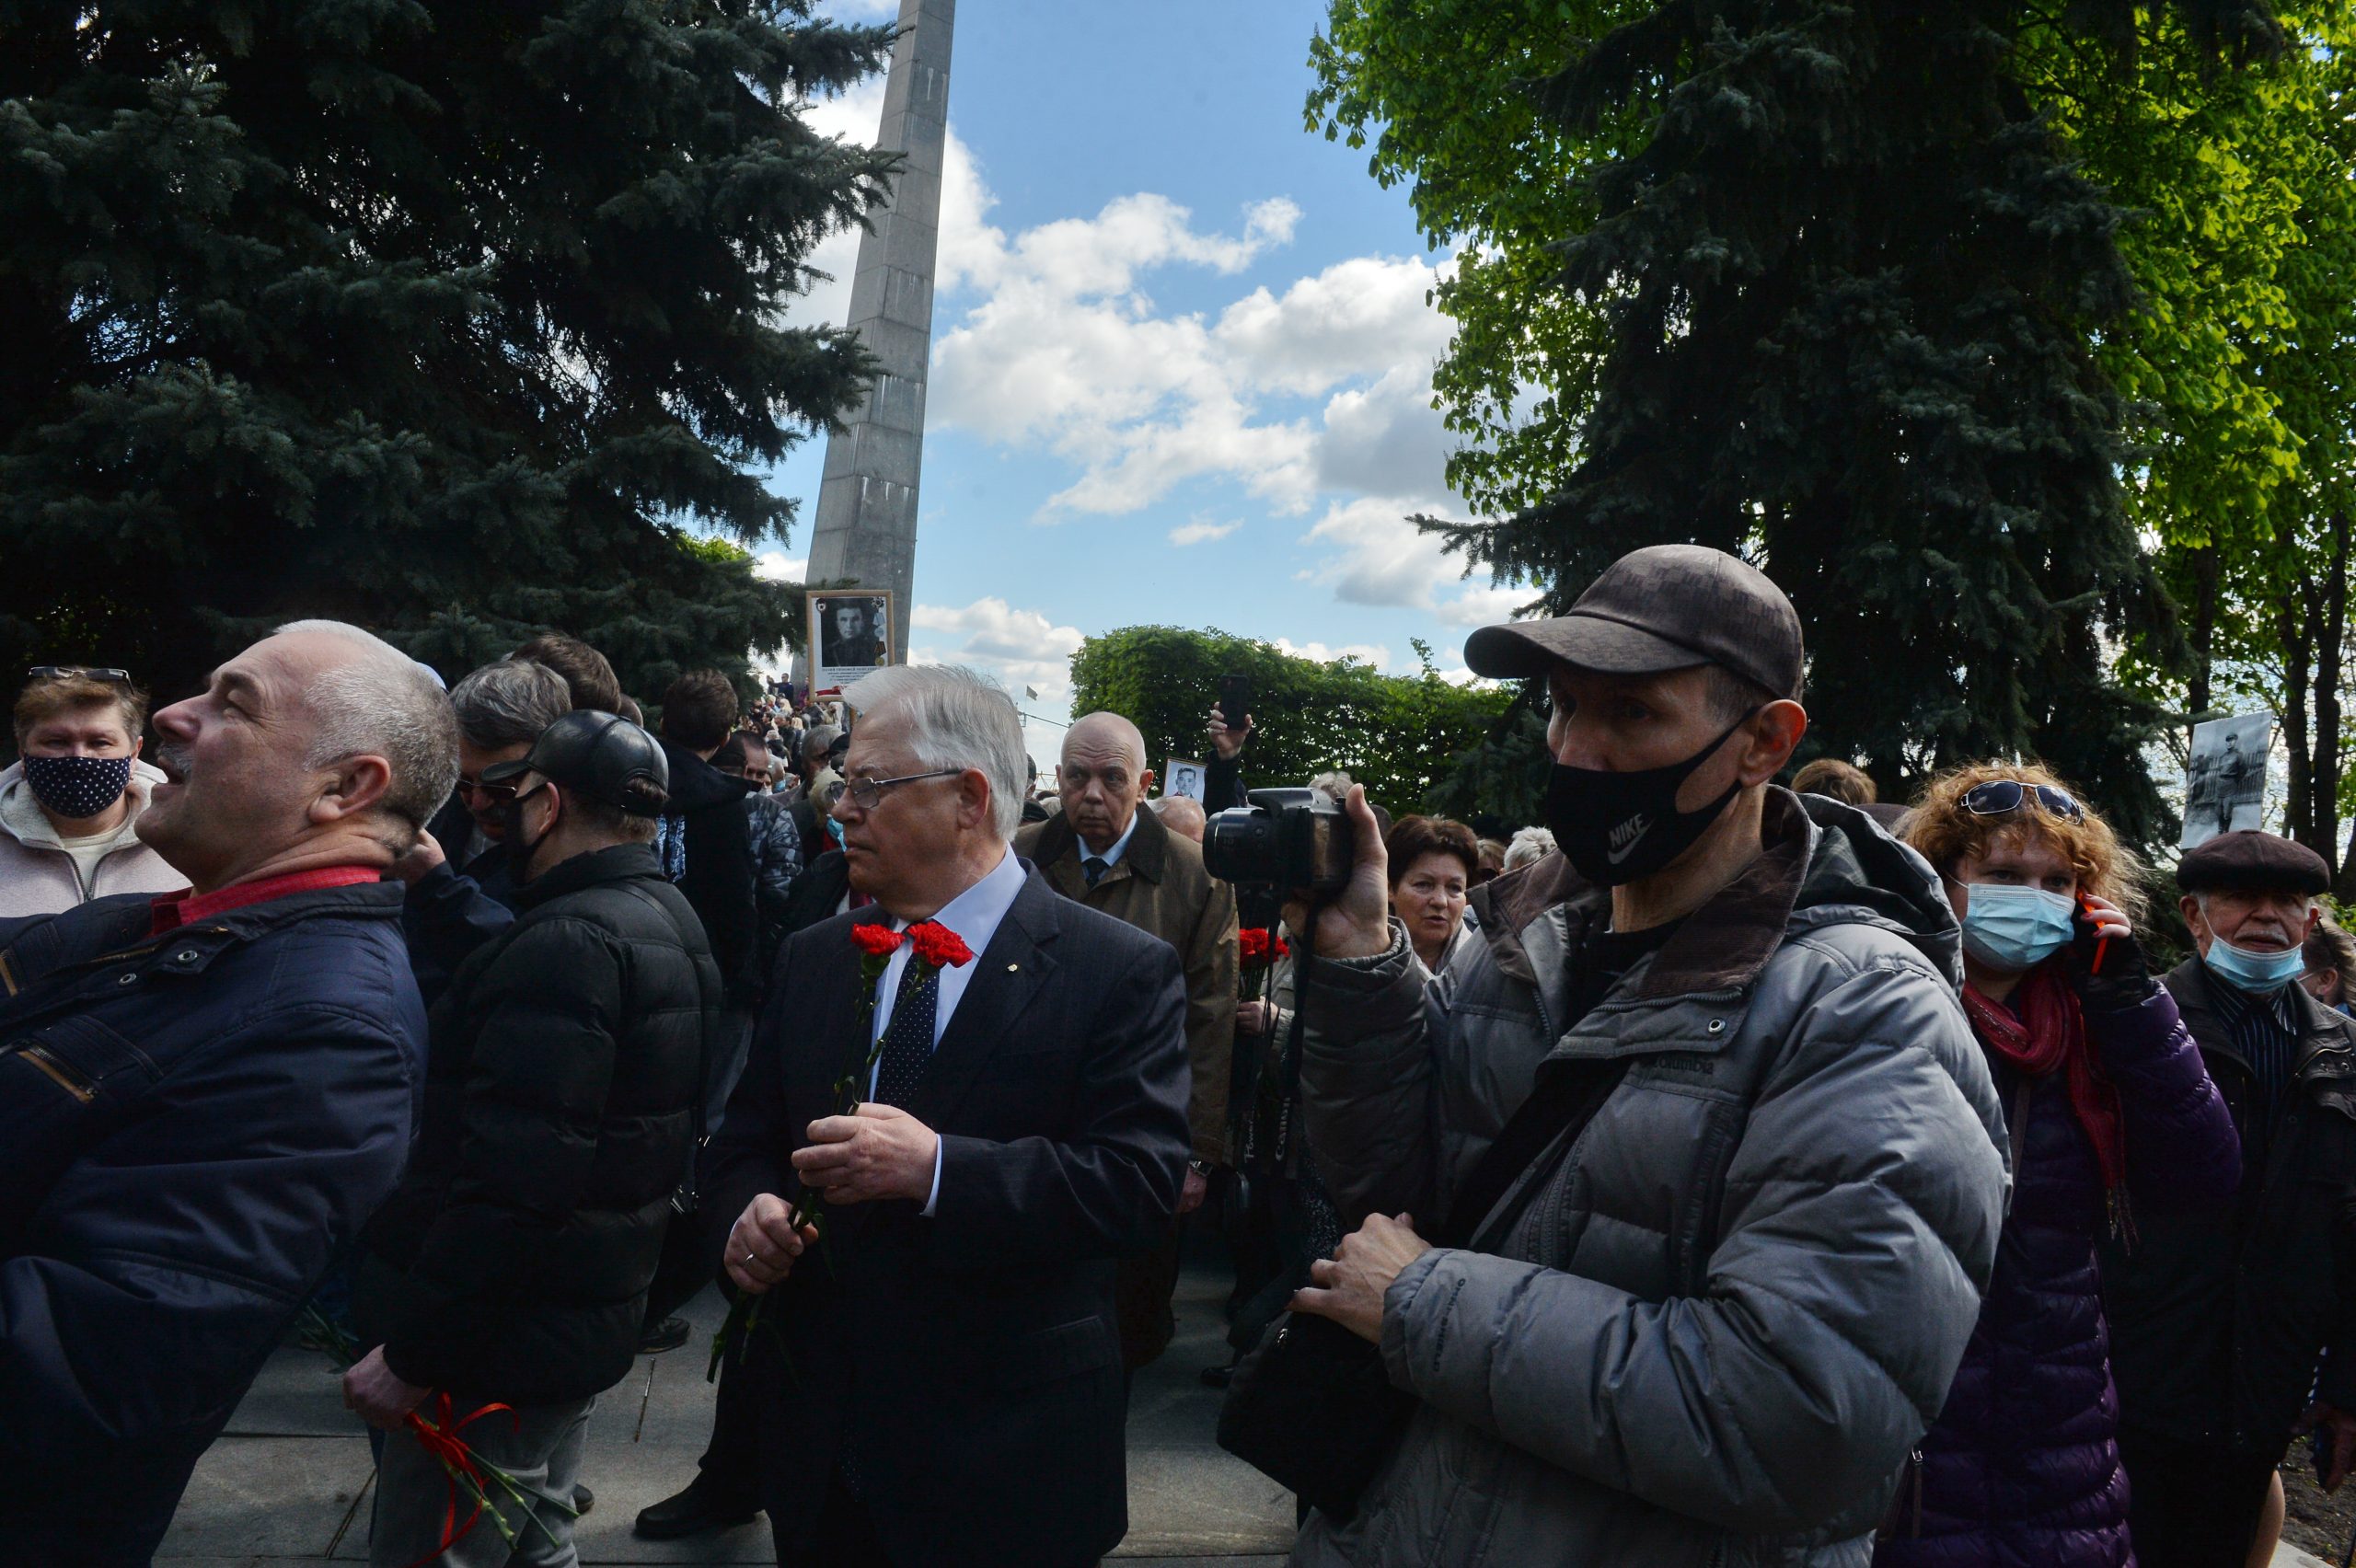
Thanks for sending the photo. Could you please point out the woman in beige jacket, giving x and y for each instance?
(67, 806)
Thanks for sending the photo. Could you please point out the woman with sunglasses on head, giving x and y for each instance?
(69, 802)
(2108, 1109)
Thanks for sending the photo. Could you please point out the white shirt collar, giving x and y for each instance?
(1111, 857)
(975, 913)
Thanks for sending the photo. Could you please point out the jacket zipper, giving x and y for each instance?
(57, 1072)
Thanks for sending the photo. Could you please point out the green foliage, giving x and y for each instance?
(1823, 283)
(458, 321)
(1406, 738)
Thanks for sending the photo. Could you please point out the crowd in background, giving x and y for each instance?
(592, 915)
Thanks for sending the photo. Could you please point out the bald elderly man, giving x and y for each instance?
(1104, 850)
(1183, 816)
(207, 1093)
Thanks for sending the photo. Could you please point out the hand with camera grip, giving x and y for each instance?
(1356, 922)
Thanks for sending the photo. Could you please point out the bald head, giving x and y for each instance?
(1103, 779)
(1104, 737)
(1182, 816)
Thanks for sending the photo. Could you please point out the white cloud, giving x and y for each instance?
(994, 629)
(774, 567)
(1201, 532)
(1486, 607)
(1377, 557)
(1373, 653)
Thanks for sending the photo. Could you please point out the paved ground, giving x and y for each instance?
(284, 1485)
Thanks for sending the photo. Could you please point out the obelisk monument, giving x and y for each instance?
(866, 529)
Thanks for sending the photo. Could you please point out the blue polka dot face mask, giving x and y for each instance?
(77, 788)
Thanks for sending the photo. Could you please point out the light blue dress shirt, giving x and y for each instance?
(974, 915)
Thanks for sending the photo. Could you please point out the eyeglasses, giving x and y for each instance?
(2000, 796)
(499, 794)
(108, 674)
(866, 793)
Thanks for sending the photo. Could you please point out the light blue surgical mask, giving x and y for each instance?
(2260, 973)
(2014, 928)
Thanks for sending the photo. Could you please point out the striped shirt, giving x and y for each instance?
(2262, 1030)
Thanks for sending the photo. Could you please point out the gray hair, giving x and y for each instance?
(1334, 786)
(509, 703)
(1529, 847)
(380, 704)
(956, 719)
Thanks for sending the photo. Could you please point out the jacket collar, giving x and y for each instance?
(1721, 946)
(615, 863)
(2327, 1040)
(1148, 855)
(107, 929)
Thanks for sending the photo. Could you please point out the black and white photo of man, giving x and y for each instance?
(1185, 777)
(851, 633)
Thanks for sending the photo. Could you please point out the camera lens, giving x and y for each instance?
(1239, 845)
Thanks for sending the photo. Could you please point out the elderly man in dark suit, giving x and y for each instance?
(947, 1387)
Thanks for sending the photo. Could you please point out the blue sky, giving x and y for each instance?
(1182, 352)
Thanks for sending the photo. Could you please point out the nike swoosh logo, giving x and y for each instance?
(1641, 826)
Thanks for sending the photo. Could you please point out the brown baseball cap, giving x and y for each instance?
(1664, 608)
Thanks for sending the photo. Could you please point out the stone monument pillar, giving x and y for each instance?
(866, 528)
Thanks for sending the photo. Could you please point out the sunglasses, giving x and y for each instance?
(499, 794)
(86, 672)
(2000, 797)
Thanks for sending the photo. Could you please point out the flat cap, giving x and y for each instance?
(2247, 859)
(1664, 608)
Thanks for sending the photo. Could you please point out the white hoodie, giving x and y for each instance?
(39, 875)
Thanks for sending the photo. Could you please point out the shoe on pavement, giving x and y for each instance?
(583, 1499)
(668, 1334)
(1218, 1377)
(703, 1507)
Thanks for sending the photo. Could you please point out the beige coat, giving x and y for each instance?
(1160, 886)
(38, 877)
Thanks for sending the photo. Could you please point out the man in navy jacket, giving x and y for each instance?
(950, 1390)
(203, 1096)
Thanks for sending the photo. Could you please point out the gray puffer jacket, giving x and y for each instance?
(1717, 1322)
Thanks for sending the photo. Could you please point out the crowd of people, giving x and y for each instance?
(1724, 1169)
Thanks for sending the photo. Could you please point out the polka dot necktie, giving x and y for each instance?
(908, 1036)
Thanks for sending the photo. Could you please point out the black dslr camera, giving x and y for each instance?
(1289, 839)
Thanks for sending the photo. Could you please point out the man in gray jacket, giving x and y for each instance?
(1762, 1177)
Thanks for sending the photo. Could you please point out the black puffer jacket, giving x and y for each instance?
(513, 1262)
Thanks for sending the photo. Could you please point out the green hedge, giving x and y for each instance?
(1415, 742)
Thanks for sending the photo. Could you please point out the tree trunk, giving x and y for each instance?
(2330, 660)
(2204, 631)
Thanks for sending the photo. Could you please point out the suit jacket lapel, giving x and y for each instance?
(1010, 971)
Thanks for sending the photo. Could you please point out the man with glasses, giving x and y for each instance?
(461, 887)
(2220, 1314)
(949, 1391)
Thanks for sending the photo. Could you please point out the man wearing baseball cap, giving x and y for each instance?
(563, 1081)
(1716, 1165)
(2220, 1315)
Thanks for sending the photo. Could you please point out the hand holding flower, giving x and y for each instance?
(376, 1392)
(877, 1151)
(764, 1243)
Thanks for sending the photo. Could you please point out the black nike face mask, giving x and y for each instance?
(1622, 827)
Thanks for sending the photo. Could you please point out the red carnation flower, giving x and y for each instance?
(875, 941)
(1254, 943)
(939, 946)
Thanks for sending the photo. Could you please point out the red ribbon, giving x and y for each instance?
(458, 1462)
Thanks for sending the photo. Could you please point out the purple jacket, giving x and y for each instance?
(2022, 1466)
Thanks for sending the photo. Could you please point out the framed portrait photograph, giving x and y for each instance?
(850, 635)
(1185, 778)
(2224, 778)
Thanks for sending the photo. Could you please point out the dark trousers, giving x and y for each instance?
(842, 1535)
(1141, 1293)
(2190, 1505)
(732, 1461)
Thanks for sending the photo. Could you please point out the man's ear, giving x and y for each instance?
(357, 785)
(1145, 783)
(1773, 733)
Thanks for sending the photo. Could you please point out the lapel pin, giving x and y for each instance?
(1012, 967)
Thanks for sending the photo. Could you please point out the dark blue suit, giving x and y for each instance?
(972, 1357)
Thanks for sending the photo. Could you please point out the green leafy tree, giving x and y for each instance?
(1414, 740)
(1826, 289)
(456, 320)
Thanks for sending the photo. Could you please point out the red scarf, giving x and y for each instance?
(2049, 1032)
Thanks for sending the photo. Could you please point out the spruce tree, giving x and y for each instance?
(456, 318)
(1851, 291)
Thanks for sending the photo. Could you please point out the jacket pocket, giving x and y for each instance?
(1066, 1350)
(62, 1088)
